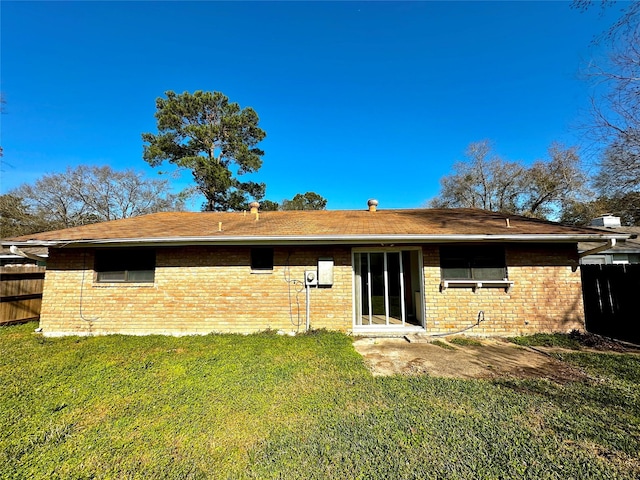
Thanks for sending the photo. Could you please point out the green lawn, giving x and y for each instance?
(268, 406)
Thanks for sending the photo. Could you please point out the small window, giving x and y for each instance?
(125, 265)
(472, 263)
(262, 259)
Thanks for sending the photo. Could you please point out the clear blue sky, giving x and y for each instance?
(358, 99)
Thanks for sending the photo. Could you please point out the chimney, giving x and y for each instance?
(254, 207)
(606, 220)
(373, 204)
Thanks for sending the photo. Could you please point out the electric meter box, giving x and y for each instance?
(325, 272)
(310, 278)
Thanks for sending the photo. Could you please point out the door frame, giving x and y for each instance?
(420, 309)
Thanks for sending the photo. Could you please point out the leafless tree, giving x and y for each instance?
(489, 182)
(549, 185)
(483, 181)
(616, 103)
(90, 194)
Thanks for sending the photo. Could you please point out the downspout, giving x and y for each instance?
(31, 256)
(610, 244)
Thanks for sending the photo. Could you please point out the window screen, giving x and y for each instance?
(472, 263)
(125, 265)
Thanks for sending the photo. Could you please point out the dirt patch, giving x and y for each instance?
(491, 359)
(598, 342)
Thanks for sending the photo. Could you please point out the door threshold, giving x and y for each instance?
(398, 332)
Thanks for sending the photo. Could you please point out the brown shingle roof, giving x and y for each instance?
(330, 224)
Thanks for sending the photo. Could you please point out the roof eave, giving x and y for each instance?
(319, 240)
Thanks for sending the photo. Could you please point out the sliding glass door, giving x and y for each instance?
(384, 283)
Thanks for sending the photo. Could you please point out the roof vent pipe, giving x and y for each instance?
(373, 204)
(254, 207)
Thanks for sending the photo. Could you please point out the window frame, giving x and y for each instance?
(124, 265)
(477, 260)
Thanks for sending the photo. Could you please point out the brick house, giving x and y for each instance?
(430, 271)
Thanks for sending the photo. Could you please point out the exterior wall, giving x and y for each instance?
(197, 290)
(546, 295)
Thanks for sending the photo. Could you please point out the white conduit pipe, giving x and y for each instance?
(308, 288)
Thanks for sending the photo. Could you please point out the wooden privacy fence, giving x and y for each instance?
(611, 296)
(20, 293)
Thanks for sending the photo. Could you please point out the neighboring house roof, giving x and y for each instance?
(315, 227)
(630, 245)
(5, 253)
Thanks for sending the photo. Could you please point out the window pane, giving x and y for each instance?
(140, 276)
(377, 283)
(473, 262)
(489, 274)
(453, 261)
(125, 264)
(262, 258)
(111, 276)
(118, 259)
(364, 282)
(393, 278)
(456, 273)
(488, 258)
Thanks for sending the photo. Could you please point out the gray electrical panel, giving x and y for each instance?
(325, 272)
